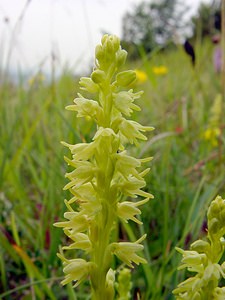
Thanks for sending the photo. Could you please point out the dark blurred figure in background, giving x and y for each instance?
(217, 20)
(217, 53)
(190, 51)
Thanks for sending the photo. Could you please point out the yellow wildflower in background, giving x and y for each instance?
(213, 131)
(160, 70)
(212, 135)
(141, 76)
(36, 79)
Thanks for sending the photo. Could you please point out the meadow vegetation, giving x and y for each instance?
(187, 172)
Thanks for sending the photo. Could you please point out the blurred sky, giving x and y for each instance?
(30, 30)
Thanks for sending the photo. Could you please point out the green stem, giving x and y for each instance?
(105, 219)
(100, 255)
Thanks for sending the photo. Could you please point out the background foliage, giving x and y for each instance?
(159, 23)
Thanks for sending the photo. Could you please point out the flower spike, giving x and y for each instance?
(103, 174)
(203, 259)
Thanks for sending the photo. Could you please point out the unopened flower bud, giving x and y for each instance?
(111, 40)
(121, 57)
(124, 284)
(98, 76)
(99, 53)
(214, 226)
(104, 38)
(125, 78)
(109, 46)
(116, 42)
(110, 281)
(200, 246)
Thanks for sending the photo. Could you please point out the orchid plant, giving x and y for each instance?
(204, 260)
(104, 175)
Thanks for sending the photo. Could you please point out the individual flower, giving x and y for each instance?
(127, 210)
(124, 101)
(212, 135)
(126, 251)
(127, 165)
(179, 129)
(77, 222)
(133, 187)
(76, 270)
(87, 108)
(160, 70)
(88, 85)
(131, 131)
(142, 77)
(213, 131)
(81, 241)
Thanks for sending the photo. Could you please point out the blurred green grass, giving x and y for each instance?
(187, 172)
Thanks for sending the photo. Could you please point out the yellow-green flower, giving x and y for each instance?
(76, 270)
(160, 70)
(126, 251)
(127, 210)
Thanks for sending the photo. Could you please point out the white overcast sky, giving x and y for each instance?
(68, 28)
